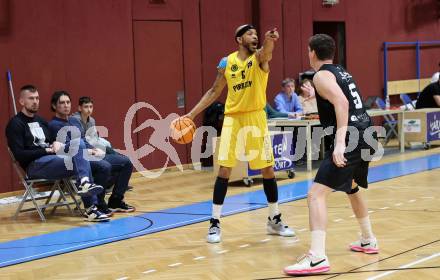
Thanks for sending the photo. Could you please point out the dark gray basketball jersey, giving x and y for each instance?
(357, 115)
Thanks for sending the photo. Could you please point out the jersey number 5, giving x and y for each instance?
(357, 99)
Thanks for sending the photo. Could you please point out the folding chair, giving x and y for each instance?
(409, 105)
(389, 120)
(63, 186)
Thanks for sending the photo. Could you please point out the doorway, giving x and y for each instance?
(158, 49)
(337, 31)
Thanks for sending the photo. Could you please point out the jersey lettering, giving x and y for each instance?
(246, 83)
(357, 99)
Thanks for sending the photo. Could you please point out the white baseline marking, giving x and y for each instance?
(404, 266)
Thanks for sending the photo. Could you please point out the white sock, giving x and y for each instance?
(85, 179)
(317, 246)
(216, 211)
(365, 224)
(273, 209)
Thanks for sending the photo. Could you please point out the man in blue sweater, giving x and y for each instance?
(287, 100)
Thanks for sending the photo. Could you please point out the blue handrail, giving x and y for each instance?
(413, 43)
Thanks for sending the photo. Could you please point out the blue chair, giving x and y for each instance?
(390, 121)
(407, 102)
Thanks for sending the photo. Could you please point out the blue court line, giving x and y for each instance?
(55, 243)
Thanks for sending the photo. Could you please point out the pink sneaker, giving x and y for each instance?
(367, 246)
(307, 265)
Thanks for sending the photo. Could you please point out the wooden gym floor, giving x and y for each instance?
(405, 213)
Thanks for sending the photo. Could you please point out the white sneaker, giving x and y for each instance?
(92, 214)
(308, 264)
(276, 226)
(89, 189)
(214, 232)
(367, 246)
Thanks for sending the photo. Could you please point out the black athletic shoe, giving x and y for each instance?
(120, 206)
(103, 208)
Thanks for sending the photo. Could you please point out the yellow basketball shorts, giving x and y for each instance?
(245, 137)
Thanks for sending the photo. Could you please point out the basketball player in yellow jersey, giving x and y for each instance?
(245, 72)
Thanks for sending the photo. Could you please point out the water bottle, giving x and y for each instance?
(387, 102)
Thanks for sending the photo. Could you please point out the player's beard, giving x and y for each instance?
(250, 48)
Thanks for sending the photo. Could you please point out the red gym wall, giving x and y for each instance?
(125, 51)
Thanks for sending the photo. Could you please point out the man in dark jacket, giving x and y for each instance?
(41, 157)
(429, 97)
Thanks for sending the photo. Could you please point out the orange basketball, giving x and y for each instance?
(182, 130)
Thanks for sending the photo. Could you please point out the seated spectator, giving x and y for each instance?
(104, 165)
(287, 100)
(84, 116)
(307, 97)
(429, 97)
(41, 157)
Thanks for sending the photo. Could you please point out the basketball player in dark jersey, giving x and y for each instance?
(343, 168)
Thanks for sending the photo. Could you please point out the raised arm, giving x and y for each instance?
(264, 54)
(328, 88)
(211, 95)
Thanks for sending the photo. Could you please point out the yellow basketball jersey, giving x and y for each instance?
(247, 84)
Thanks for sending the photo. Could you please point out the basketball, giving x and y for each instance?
(182, 130)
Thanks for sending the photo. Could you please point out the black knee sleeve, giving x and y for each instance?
(220, 188)
(271, 190)
(353, 191)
